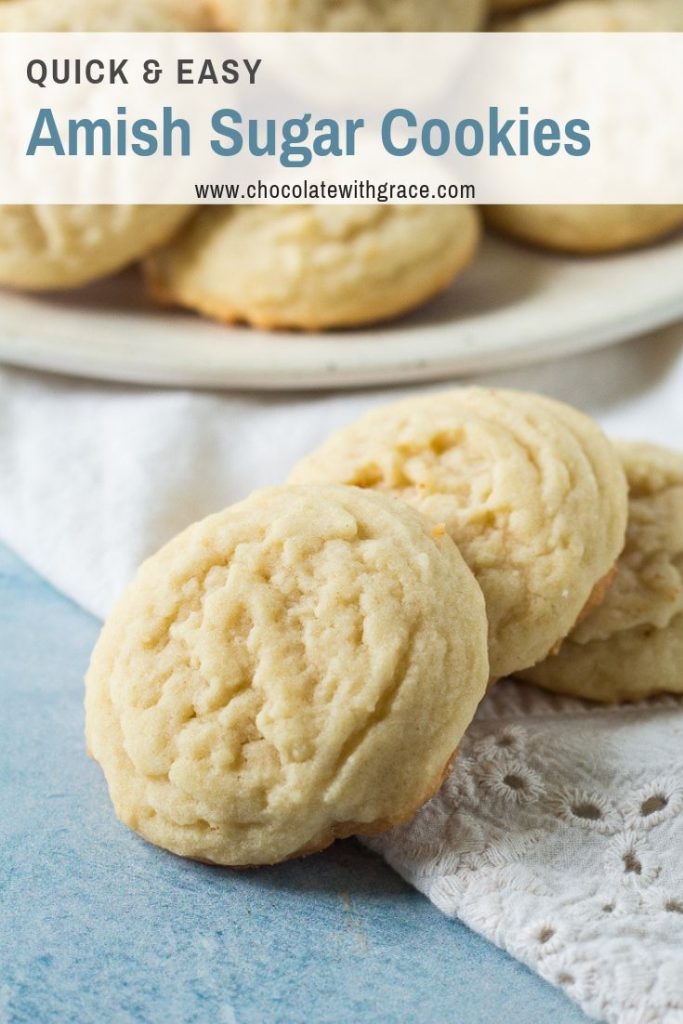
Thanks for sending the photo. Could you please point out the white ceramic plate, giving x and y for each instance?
(513, 306)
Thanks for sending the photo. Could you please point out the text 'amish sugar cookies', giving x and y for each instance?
(531, 491)
(299, 667)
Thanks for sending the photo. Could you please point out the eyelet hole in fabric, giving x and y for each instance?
(545, 935)
(653, 804)
(514, 782)
(587, 811)
(674, 907)
(632, 865)
(505, 742)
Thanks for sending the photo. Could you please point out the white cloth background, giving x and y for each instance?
(93, 478)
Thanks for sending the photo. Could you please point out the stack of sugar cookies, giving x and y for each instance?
(309, 267)
(302, 666)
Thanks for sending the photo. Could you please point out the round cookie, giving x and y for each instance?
(66, 246)
(530, 490)
(349, 15)
(297, 668)
(314, 267)
(584, 229)
(631, 647)
(591, 229)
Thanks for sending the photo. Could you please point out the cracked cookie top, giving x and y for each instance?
(298, 667)
(530, 490)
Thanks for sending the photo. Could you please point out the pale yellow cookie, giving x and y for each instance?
(586, 229)
(530, 490)
(631, 647)
(314, 267)
(349, 15)
(46, 247)
(65, 246)
(297, 668)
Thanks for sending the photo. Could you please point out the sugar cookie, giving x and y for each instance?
(530, 490)
(45, 247)
(314, 267)
(585, 230)
(631, 647)
(297, 668)
(588, 229)
(65, 246)
(349, 15)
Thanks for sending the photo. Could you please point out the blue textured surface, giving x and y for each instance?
(96, 926)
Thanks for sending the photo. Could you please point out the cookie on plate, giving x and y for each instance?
(297, 668)
(591, 229)
(631, 647)
(349, 15)
(55, 247)
(530, 490)
(585, 230)
(66, 246)
(314, 267)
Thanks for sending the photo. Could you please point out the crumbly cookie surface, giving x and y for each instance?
(45, 247)
(349, 15)
(530, 490)
(314, 267)
(588, 229)
(298, 667)
(631, 647)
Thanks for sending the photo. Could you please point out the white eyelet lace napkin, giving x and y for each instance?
(559, 835)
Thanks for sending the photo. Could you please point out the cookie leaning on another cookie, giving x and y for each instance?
(299, 667)
(632, 646)
(314, 267)
(530, 489)
(66, 246)
(349, 15)
(588, 229)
